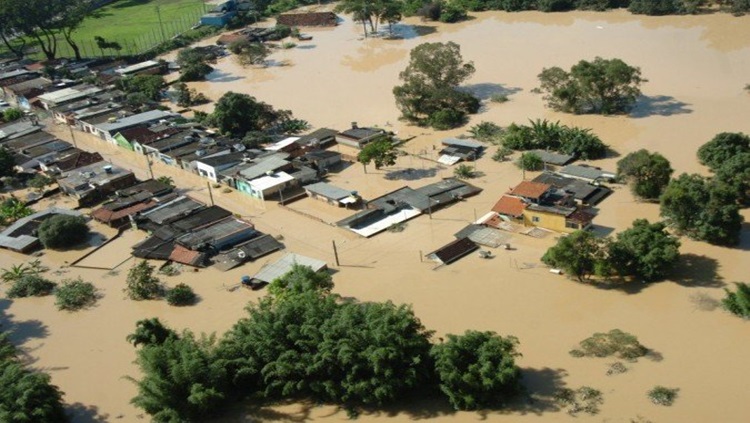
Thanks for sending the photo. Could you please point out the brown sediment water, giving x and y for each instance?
(697, 67)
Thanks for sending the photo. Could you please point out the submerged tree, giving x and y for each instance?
(429, 94)
(648, 173)
(645, 250)
(602, 86)
(738, 302)
(579, 254)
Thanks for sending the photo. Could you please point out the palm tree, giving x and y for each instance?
(15, 272)
(166, 180)
(14, 209)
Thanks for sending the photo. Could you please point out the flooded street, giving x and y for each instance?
(697, 67)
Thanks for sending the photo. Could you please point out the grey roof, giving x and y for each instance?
(322, 154)
(14, 73)
(30, 84)
(249, 251)
(278, 269)
(15, 237)
(468, 143)
(321, 135)
(328, 191)
(223, 160)
(134, 120)
(585, 172)
(216, 232)
(46, 148)
(201, 218)
(180, 206)
(361, 133)
(267, 164)
(553, 158)
(18, 129)
(563, 211)
(483, 235)
(557, 181)
(29, 140)
(83, 178)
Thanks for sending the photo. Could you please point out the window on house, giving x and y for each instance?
(535, 219)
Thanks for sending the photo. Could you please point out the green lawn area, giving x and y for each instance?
(134, 24)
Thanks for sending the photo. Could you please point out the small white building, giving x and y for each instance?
(270, 184)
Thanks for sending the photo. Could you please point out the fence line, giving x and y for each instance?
(132, 46)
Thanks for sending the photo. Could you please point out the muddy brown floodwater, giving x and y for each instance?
(697, 67)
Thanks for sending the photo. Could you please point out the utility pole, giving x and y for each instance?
(210, 193)
(72, 135)
(161, 25)
(148, 162)
(335, 252)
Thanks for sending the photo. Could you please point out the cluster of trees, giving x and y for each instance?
(304, 342)
(63, 231)
(27, 281)
(546, 135)
(249, 53)
(427, 8)
(728, 157)
(429, 95)
(141, 284)
(193, 62)
(241, 115)
(601, 86)
(372, 13)
(187, 97)
(647, 173)
(142, 90)
(738, 302)
(645, 251)
(26, 395)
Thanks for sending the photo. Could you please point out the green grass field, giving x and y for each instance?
(132, 23)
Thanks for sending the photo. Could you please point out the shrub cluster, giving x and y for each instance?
(553, 136)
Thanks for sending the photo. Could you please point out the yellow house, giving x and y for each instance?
(557, 218)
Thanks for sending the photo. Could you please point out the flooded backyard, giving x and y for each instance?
(697, 67)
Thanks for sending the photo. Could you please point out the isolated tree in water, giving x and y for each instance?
(602, 86)
(648, 173)
(429, 94)
(141, 284)
(646, 250)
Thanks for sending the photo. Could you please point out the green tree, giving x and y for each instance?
(702, 209)
(13, 209)
(63, 231)
(502, 154)
(26, 396)
(602, 86)
(300, 279)
(251, 53)
(361, 10)
(141, 284)
(73, 14)
(181, 381)
(430, 83)
(486, 131)
(166, 180)
(477, 369)
(545, 135)
(7, 162)
(150, 332)
(738, 302)
(75, 294)
(464, 171)
(181, 295)
(655, 7)
(150, 86)
(193, 63)
(648, 173)
(530, 161)
(380, 151)
(579, 254)
(31, 286)
(735, 174)
(645, 250)
(722, 148)
(12, 114)
(40, 181)
(15, 272)
(237, 114)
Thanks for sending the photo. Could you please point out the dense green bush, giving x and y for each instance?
(445, 119)
(738, 302)
(141, 284)
(530, 161)
(31, 286)
(648, 173)
(62, 231)
(613, 343)
(451, 13)
(75, 294)
(546, 135)
(661, 395)
(181, 295)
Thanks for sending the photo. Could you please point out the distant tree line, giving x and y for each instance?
(303, 342)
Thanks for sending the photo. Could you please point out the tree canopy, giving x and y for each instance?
(237, 114)
(477, 369)
(578, 254)
(149, 86)
(380, 151)
(645, 250)
(542, 134)
(648, 173)
(193, 63)
(723, 147)
(63, 231)
(141, 284)
(429, 94)
(300, 279)
(702, 209)
(738, 302)
(7, 162)
(602, 86)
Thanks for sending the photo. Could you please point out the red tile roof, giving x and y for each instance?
(530, 189)
(183, 255)
(581, 216)
(105, 216)
(509, 206)
(78, 159)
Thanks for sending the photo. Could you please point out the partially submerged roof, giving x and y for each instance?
(466, 143)
(553, 158)
(278, 269)
(509, 206)
(530, 189)
(18, 129)
(328, 191)
(130, 121)
(78, 160)
(453, 251)
(201, 218)
(173, 210)
(18, 236)
(216, 233)
(249, 251)
(271, 181)
(183, 255)
(585, 172)
(108, 214)
(483, 235)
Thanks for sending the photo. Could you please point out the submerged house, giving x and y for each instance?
(546, 207)
(358, 137)
(95, 182)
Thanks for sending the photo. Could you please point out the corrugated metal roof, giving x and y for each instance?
(278, 269)
(468, 143)
(327, 190)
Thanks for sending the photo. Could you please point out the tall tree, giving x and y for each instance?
(73, 12)
(381, 151)
(735, 174)
(361, 10)
(645, 250)
(703, 209)
(602, 86)
(237, 114)
(150, 332)
(477, 369)
(648, 173)
(9, 28)
(430, 83)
